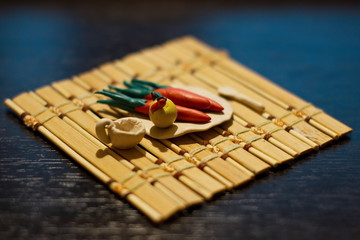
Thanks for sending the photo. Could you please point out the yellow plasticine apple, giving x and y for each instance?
(162, 112)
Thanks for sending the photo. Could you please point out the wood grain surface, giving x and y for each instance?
(311, 50)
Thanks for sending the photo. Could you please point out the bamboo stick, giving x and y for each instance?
(207, 185)
(116, 75)
(88, 77)
(141, 159)
(160, 63)
(101, 75)
(67, 107)
(186, 189)
(240, 155)
(83, 97)
(282, 97)
(235, 176)
(215, 152)
(198, 163)
(68, 96)
(143, 68)
(235, 160)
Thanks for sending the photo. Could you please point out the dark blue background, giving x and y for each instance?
(311, 50)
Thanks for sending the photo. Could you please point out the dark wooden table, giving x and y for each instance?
(314, 51)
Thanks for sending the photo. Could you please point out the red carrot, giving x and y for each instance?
(144, 109)
(214, 106)
(184, 114)
(184, 98)
(188, 99)
(191, 115)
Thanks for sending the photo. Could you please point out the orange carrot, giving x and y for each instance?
(188, 99)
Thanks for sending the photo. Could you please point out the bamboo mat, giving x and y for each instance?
(163, 177)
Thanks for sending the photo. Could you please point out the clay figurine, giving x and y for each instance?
(123, 133)
(232, 93)
(162, 111)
